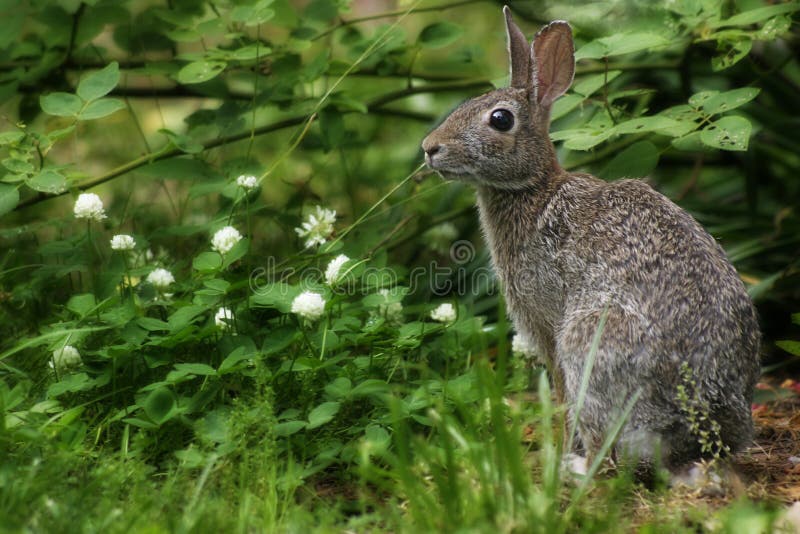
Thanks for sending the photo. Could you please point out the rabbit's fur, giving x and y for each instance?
(570, 249)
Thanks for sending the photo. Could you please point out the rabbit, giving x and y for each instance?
(572, 251)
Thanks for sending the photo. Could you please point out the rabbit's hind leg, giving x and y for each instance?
(613, 377)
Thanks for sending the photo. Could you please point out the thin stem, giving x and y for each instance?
(390, 14)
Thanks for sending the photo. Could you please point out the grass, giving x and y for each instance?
(490, 465)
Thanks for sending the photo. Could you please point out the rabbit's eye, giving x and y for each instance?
(502, 120)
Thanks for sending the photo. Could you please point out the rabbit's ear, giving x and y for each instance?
(518, 53)
(554, 61)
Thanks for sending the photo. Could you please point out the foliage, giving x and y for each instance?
(218, 386)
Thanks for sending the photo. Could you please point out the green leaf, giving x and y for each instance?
(48, 181)
(582, 138)
(439, 34)
(240, 357)
(321, 10)
(201, 369)
(273, 295)
(81, 305)
(322, 414)
(253, 15)
(588, 86)
(9, 198)
(644, 124)
(729, 100)
(732, 52)
(792, 347)
(690, 142)
(61, 104)
(99, 83)
(183, 317)
(11, 138)
(618, 44)
(288, 428)
(757, 15)
(18, 166)
(101, 108)
(200, 71)
(207, 262)
(250, 52)
(697, 100)
(152, 324)
(236, 253)
(728, 133)
(339, 388)
(160, 405)
(636, 161)
(686, 118)
(71, 383)
(371, 386)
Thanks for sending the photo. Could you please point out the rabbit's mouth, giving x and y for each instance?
(456, 172)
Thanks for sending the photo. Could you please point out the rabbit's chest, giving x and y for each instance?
(532, 282)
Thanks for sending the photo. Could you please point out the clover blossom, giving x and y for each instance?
(225, 238)
(318, 228)
(122, 242)
(332, 271)
(89, 206)
(444, 313)
(160, 278)
(309, 305)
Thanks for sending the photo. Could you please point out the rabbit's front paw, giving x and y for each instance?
(574, 465)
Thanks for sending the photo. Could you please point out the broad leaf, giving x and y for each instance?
(9, 198)
(439, 34)
(619, 44)
(757, 15)
(636, 161)
(101, 108)
(729, 100)
(200, 71)
(99, 83)
(207, 262)
(61, 104)
(322, 414)
(728, 133)
(48, 181)
(644, 124)
(160, 405)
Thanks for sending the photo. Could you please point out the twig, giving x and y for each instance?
(390, 14)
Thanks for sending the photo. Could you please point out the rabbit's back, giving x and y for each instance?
(669, 295)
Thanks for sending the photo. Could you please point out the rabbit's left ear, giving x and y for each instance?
(553, 62)
(519, 54)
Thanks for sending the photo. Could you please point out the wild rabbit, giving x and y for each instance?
(570, 249)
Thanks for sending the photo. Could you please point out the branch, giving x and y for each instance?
(375, 106)
(390, 14)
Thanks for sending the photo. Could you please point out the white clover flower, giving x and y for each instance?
(523, 347)
(160, 278)
(309, 305)
(223, 318)
(122, 242)
(332, 271)
(89, 206)
(66, 357)
(444, 313)
(440, 237)
(318, 228)
(247, 181)
(225, 238)
(392, 311)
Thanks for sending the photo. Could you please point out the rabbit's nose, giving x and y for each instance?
(431, 150)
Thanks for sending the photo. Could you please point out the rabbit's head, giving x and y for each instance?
(501, 139)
